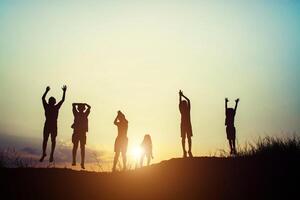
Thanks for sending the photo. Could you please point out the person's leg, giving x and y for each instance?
(124, 160)
(45, 141)
(75, 147)
(142, 160)
(148, 159)
(233, 146)
(82, 148)
(183, 135)
(190, 146)
(53, 141)
(116, 158)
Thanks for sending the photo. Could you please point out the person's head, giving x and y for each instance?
(183, 104)
(52, 101)
(81, 107)
(147, 139)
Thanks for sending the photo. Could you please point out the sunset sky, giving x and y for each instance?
(134, 56)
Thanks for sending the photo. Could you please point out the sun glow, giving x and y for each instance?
(136, 152)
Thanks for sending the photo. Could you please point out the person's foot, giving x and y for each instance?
(184, 154)
(73, 163)
(234, 152)
(51, 159)
(43, 157)
(231, 152)
(113, 169)
(82, 166)
(190, 154)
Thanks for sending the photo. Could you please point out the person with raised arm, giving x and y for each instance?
(229, 123)
(50, 126)
(81, 112)
(185, 126)
(121, 141)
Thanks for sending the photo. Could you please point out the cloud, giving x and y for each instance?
(24, 152)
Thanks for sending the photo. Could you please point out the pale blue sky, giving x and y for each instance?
(135, 56)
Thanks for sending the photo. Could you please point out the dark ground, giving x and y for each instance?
(196, 178)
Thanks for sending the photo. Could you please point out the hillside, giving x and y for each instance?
(196, 178)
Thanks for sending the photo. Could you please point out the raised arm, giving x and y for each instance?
(116, 120)
(236, 103)
(74, 108)
(44, 96)
(64, 88)
(88, 110)
(180, 96)
(188, 100)
(226, 101)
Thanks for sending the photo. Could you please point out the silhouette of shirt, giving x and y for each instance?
(230, 114)
(185, 113)
(80, 124)
(51, 113)
(122, 128)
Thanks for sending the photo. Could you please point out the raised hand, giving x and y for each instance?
(237, 100)
(64, 88)
(180, 93)
(47, 88)
(226, 99)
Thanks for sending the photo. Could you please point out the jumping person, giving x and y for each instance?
(229, 123)
(147, 150)
(81, 112)
(185, 126)
(121, 141)
(50, 126)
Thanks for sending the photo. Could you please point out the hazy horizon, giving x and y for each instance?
(135, 57)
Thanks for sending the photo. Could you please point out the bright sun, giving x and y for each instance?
(136, 152)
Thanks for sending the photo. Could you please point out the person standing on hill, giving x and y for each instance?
(81, 112)
(146, 150)
(185, 126)
(50, 126)
(121, 141)
(229, 123)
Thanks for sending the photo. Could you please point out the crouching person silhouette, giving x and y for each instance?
(50, 126)
(229, 123)
(185, 126)
(146, 150)
(121, 141)
(81, 112)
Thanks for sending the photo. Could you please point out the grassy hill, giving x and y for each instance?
(190, 178)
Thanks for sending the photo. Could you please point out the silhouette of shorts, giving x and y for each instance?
(121, 144)
(186, 130)
(50, 129)
(230, 131)
(79, 137)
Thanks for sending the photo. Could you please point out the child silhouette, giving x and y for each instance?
(229, 123)
(185, 126)
(147, 150)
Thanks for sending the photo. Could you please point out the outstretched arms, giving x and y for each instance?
(44, 96)
(236, 103)
(64, 88)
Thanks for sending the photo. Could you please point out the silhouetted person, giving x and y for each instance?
(81, 112)
(229, 123)
(146, 150)
(121, 141)
(50, 127)
(185, 126)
